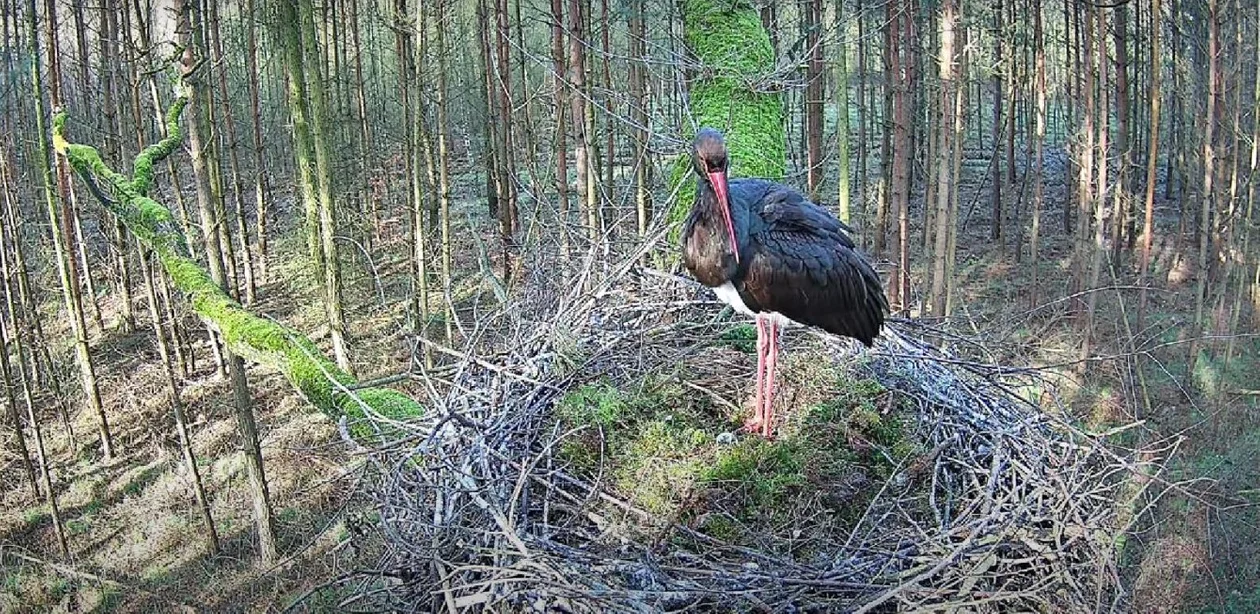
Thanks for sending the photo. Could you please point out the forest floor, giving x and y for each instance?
(137, 544)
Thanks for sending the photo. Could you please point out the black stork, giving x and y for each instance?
(768, 252)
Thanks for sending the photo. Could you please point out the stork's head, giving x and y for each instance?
(708, 157)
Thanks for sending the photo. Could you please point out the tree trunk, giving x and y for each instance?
(1039, 157)
(191, 29)
(321, 137)
(900, 190)
(443, 164)
(177, 407)
(1098, 248)
(814, 95)
(238, 190)
(6, 379)
(561, 101)
(577, 101)
(639, 116)
(1207, 193)
(944, 150)
(261, 189)
(60, 218)
(842, 118)
(995, 222)
(1152, 158)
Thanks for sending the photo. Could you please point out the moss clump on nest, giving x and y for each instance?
(664, 455)
(742, 337)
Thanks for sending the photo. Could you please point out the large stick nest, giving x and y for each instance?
(1008, 508)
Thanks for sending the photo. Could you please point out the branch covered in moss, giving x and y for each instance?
(258, 339)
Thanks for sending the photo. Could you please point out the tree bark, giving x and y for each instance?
(60, 218)
(944, 149)
(1152, 158)
(842, 119)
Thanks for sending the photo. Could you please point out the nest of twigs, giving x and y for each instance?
(1008, 508)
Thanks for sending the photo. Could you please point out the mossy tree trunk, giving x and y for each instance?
(321, 137)
(732, 95)
(290, 35)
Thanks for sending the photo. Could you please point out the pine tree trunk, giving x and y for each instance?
(900, 190)
(944, 149)
(843, 173)
(262, 195)
(321, 137)
(1098, 247)
(1207, 193)
(238, 189)
(581, 139)
(1152, 158)
(443, 164)
(559, 72)
(60, 218)
(177, 406)
(814, 95)
(6, 379)
(1039, 158)
(639, 116)
(190, 28)
(995, 221)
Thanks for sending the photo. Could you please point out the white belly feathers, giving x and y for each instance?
(729, 295)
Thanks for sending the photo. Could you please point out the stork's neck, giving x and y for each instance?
(714, 246)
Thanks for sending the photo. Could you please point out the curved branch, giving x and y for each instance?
(258, 339)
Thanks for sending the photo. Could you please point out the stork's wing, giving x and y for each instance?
(805, 267)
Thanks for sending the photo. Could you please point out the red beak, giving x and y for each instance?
(717, 179)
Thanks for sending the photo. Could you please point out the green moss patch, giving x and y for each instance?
(672, 455)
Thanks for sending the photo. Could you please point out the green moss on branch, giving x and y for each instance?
(260, 340)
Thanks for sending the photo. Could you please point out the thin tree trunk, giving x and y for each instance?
(559, 71)
(1152, 158)
(842, 119)
(177, 407)
(1039, 157)
(443, 161)
(193, 37)
(6, 379)
(944, 149)
(900, 190)
(261, 190)
(1098, 248)
(639, 116)
(863, 110)
(118, 237)
(814, 95)
(321, 128)
(581, 155)
(60, 219)
(1207, 195)
(995, 222)
(238, 190)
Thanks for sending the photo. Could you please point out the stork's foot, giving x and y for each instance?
(753, 425)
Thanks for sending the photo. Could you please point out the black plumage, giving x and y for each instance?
(790, 256)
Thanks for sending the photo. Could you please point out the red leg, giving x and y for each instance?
(754, 423)
(772, 365)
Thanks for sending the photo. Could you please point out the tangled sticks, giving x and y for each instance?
(1004, 507)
